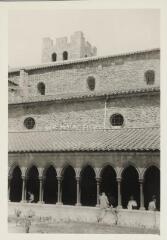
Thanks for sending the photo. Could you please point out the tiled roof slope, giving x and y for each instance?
(68, 96)
(12, 83)
(138, 139)
(80, 60)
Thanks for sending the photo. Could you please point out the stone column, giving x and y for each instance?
(40, 190)
(9, 182)
(59, 197)
(141, 195)
(78, 203)
(23, 198)
(119, 193)
(43, 182)
(98, 190)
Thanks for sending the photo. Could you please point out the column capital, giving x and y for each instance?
(97, 172)
(59, 171)
(118, 171)
(40, 170)
(77, 172)
(141, 172)
(23, 171)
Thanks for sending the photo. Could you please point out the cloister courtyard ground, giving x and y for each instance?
(78, 227)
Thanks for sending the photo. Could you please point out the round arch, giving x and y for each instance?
(64, 166)
(108, 184)
(54, 57)
(91, 83)
(88, 186)
(68, 185)
(41, 88)
(46, 167)
(86, 164)
(12, 167)
(148, 165)
(16, 185)
(107, 164)
(50, 185)
(130, 164)
(65, 55)
(32, 184)
(151, 186)
(130, 185)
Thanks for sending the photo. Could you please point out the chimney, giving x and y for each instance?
(23, 83)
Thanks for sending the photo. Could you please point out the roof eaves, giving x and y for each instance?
(88, 150)
(80, 60)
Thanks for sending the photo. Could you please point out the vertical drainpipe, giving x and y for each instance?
(105, 112)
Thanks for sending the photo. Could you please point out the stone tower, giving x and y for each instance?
(61, 50)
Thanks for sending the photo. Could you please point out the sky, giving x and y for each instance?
(111, 31)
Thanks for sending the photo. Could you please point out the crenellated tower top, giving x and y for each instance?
(63, 50)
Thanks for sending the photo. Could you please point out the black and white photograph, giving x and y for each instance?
(84, 121)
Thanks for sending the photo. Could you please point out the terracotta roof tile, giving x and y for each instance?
(138, 139)
(81, 95)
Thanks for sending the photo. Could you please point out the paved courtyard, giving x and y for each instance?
(76, 227)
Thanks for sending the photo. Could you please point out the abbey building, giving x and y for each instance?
(80, 124)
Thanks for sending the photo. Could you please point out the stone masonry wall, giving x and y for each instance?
(138, 111)
(117, 73)
(126, 218)
(143, 111)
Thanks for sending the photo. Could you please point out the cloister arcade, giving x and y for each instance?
(75, 186)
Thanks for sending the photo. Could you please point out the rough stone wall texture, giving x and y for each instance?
(141, 111)
(138, 111)
(126, 218)
(78, 47)
(117, 73)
